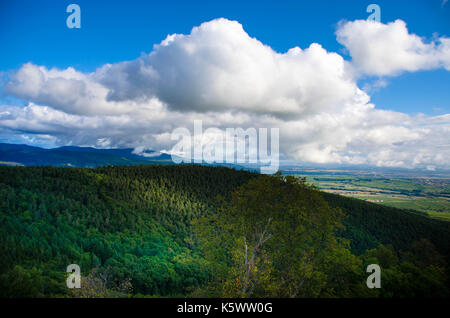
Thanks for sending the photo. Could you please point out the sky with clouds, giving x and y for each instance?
(322, 87)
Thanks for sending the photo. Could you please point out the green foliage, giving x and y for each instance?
(135, 223)
(369, 225)
(277, 238)
(98, 285)
(419, 272)
(20, 282)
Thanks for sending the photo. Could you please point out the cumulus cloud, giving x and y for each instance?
(217, 67)
(389, 49)
(224, 77)
(69, 90)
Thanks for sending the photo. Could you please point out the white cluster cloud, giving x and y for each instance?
(217, 67)
(389, 49)
(68, 90)
(222, 76)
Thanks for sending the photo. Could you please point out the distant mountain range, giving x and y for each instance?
(88, 157)
(71, 156)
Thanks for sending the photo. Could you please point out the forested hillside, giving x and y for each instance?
(72, 156)
(369, 224)
(156, 230)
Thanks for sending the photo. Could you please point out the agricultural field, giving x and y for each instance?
(426, 194)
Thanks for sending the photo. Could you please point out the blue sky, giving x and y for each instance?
(117, 31)
(114, 31)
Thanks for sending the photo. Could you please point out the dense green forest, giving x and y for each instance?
(192, 230)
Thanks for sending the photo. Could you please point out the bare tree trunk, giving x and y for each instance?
(249, 264)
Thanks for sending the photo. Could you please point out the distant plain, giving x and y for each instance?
(428, 194)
